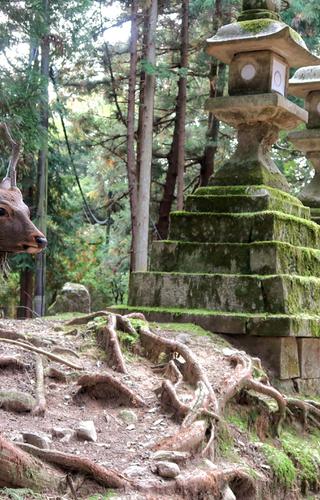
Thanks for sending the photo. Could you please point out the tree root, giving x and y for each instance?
(111, 344)
(53, 372)
(49, 355)
(106, 386)
(12, 362)
(82, 320)
(189, 439)
(107, 477)
(19, 470)
(40, 407)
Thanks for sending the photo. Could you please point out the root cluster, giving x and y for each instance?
(199, 416)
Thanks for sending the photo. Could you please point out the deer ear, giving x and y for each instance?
(5, 183)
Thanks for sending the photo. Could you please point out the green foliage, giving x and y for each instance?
(281, 464)
(19, 494)
(304, 454)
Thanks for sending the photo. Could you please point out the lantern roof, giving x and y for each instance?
(261, 34)
(304, 81)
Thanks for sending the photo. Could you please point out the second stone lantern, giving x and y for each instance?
(306, 84)
(260, 53)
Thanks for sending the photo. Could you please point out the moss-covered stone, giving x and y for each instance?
(250, 190)
(280, 294)
(230, 323)
(230, 258)
(244, 203)
(243, 228)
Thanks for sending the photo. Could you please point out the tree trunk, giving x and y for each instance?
(141, 250)
(26, 294)
(40, 273)
(176, 157)
(18, 469)
(131, 156)
(217, 81)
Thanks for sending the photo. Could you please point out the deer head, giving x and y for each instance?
(17, 233)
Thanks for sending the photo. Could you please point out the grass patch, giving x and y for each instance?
(282, 466)
(19, 494)
(304, 451)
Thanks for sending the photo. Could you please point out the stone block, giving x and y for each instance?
(308, 386)
(243, 228)
(278, 354)
(309, 357)
(237, 203)
(251, 294)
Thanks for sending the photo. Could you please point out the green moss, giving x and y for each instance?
(224, 442)
(249, 191)
(238, 421)
(128, 340)
(305, 455)
(282, 466)
(296, 37)
(19, 494)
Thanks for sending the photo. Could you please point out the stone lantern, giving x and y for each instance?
(260, 49)
(306, 84)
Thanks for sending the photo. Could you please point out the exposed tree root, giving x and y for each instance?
(12, 362)
(49, 355)
(40, 407)
(200, 413)
(20, 470)
(17, 401)
(106, 386)
(65, 350)
(111, 344)
(53, 372)
(189, 439)
(107, 477)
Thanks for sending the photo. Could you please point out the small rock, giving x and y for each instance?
(184, 338)
(171, 456)
(61, 432)
(128, 416)
(131, 427)
(169, 470)
(87, 431)
(38, 439)
(135, 470)
(228, 494)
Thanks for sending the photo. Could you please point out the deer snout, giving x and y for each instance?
(41, 241)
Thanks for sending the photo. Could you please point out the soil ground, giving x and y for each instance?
(128, 448)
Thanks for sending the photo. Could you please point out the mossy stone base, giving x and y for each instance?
(242, 261)
(279, 294)
(231, 258)
(243, 228)
(255, 200)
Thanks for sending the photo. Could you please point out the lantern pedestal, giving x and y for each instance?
(259, 119)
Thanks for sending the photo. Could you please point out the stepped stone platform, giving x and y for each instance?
(242, 261)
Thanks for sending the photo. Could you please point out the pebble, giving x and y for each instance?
(86, 431)
(171, 456)
(228, 494)
(128, 416)
(168, 470)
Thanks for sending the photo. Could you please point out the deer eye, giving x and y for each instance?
(3, 212)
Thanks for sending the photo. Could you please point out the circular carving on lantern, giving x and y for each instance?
(248, 72)
(318, 108)
(277, 79)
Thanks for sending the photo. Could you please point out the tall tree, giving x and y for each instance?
(131, 156)
(176, 156)
(42, 202)
(146, 139)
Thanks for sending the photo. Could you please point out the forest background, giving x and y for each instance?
(78, 83)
